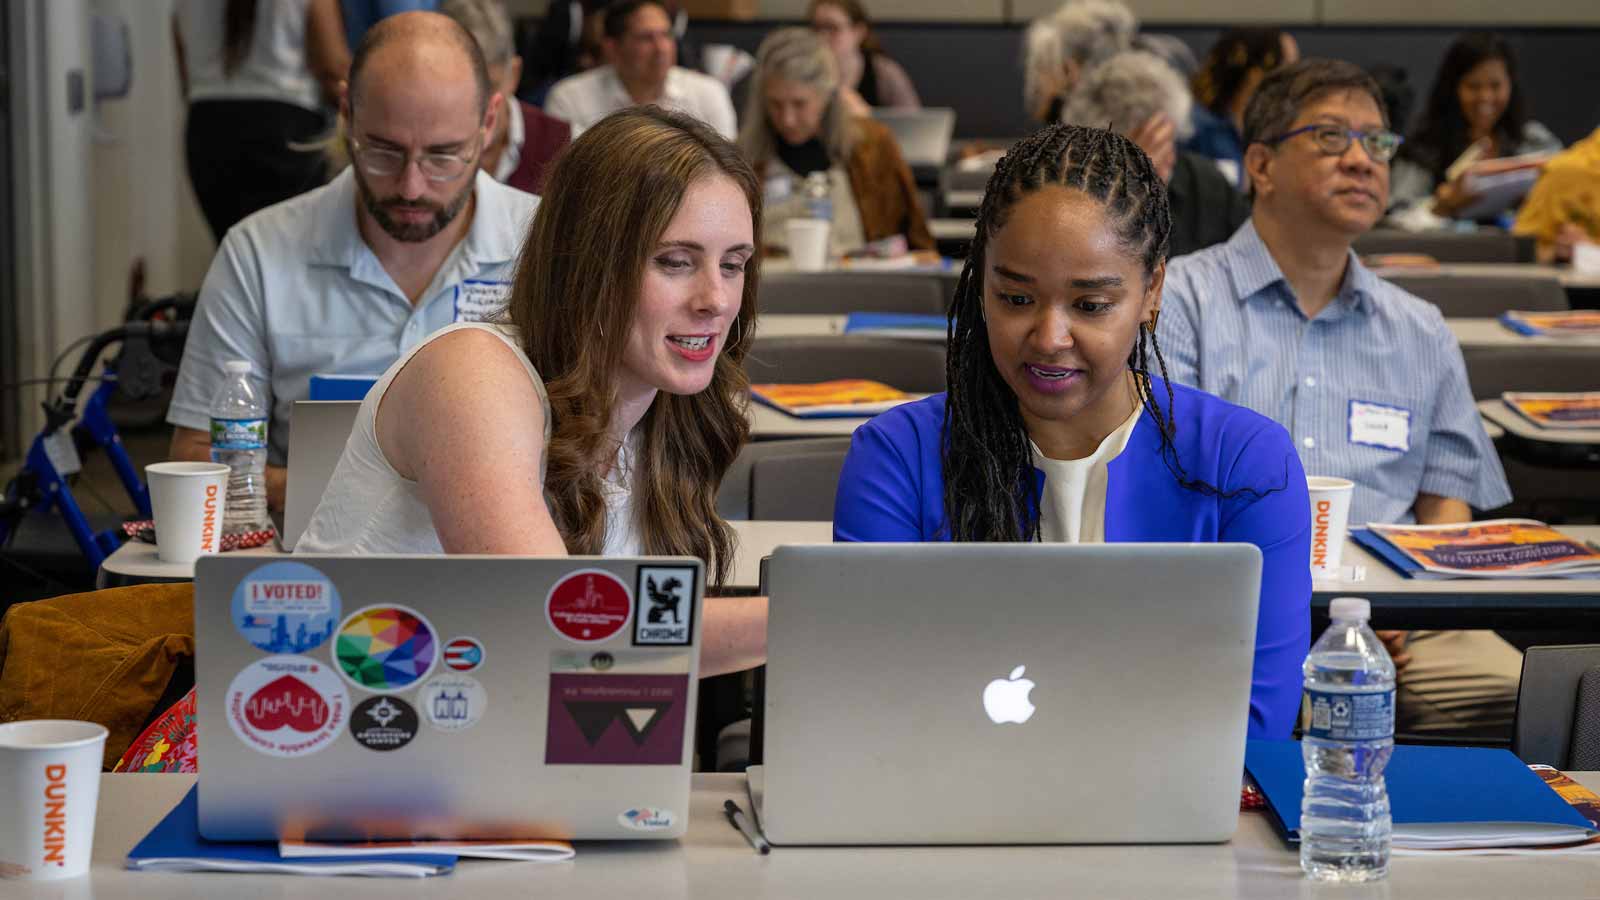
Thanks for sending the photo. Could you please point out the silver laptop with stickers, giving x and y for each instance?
(1006, 693)
(386, 697)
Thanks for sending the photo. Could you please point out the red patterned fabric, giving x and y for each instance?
(168, 745)
(145, 531)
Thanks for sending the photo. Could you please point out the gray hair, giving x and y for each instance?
(1080, 31)
(488, 23)
(795, 55)
(1126, 90)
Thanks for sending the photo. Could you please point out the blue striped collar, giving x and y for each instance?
(1254, 270)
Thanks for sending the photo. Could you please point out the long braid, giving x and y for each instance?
(988, 461)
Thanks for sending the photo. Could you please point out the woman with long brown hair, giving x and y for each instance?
(601, 418)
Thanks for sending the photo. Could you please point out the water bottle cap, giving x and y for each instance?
(1350, 608)
(237, 366)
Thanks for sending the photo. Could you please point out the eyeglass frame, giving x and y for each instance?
(1352, 136)
(468, 163)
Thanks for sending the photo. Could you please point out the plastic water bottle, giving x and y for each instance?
(818, 192)
(1349, 681)
(239, 440)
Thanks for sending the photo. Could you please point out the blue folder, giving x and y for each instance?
(176, 845)
(869, 322)
(1427, 786)
(340, 387)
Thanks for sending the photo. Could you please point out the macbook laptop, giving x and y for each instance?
(388, 697)
(923, 134)
(318, 431)
(1006, 693)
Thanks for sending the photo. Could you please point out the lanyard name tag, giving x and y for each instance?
(1378, 425)
(481, 301)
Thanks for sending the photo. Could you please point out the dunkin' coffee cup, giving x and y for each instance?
(808, 243)
(187, 499)
(49, 788)
(1330, 513)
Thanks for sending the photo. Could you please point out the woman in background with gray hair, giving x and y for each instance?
(796, 125)
(1060, 47)
(1128, 92)
(526, 140)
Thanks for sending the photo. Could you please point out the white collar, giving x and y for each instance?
(516, 135)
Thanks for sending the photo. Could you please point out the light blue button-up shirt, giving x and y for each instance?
(1372, 389)
(296, 291)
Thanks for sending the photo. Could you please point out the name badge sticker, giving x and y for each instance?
(285, 607)
(481, 301)
(1380, 425)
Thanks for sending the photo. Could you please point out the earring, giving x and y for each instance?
(739, 331)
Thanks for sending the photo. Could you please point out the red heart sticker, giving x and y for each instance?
(286, 701)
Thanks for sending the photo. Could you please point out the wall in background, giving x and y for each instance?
(1433, 13)
(976, 69)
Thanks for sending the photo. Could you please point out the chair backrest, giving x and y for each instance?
(793, 484)
(1485, 296)
(846, 292)
(1482, 246)
(1495, 370)
(1547, 704)
(913, 366)
(734, 496)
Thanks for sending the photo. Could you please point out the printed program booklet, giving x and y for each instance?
(1561, 411)
(1497, 548)
(1583, 323)
(830, 399)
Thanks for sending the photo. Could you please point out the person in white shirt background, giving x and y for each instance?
(342, 280)
(643, 69)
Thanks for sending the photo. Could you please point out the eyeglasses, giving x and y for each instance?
(1334, 140)
(382, 162)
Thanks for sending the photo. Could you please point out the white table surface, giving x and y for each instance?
(1497, 412)
(138, 562)
(799, 325)
(963, 199)
(713, 861)
(1564, 274)
(1490, 333)
(954, 229)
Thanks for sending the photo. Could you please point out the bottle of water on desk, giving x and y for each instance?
(239, 440)
(818, 192)
(1349, 681)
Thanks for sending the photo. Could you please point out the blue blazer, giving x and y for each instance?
(892, 489)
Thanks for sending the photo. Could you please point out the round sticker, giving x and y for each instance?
(383, 723)
(385, 648)
(285, 607)
(286, 706)
(589, 605)
(463, 654)
(452, 702)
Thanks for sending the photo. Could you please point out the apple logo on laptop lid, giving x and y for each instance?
(1006, 699)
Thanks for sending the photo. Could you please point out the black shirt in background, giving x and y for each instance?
(803, 159)
(1206, 209)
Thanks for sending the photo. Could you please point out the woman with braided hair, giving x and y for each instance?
(1054, 426)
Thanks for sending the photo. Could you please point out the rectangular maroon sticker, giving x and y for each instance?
(626, 720)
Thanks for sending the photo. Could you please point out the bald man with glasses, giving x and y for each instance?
(1368, 380)
(342, 280)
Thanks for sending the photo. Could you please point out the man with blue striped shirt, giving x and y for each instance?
(1370, 383)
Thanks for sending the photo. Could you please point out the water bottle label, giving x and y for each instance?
(238, 434)
(1337, 716)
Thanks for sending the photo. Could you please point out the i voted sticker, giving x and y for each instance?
(647, 818)
(481, 301)
(1380, 425)
(285, 607)
(286, 706)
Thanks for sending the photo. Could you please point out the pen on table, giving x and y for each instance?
(737, 819)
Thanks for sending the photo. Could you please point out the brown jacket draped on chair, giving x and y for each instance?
(103, 656)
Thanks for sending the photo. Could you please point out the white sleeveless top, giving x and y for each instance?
(1073, 507)
(368, 507)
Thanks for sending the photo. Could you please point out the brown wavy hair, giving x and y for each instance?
(609, 199)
